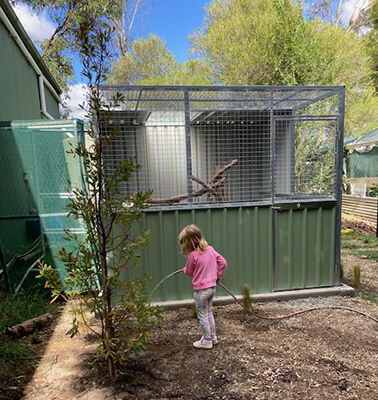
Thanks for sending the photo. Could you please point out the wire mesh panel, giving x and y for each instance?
(305, 161)
(155, 141)
(240, 140)
(216, 146)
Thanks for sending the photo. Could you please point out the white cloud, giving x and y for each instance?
(38, 27)
(77, 96)
(352, 8)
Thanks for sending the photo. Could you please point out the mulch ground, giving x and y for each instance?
(355, 223)
(320, 355)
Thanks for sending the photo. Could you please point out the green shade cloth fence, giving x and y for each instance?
(37, 176)
(364, 156)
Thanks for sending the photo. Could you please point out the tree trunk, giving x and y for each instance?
(107, 308)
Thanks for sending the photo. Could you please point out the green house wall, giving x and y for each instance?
(52, 105)
(19, 96)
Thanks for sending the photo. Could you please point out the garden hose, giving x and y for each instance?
(281, 317)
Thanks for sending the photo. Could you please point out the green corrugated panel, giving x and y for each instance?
(242, 235)
(305, 252)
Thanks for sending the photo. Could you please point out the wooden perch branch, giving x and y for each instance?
(177, 199)
(223, 170)
(215, 187)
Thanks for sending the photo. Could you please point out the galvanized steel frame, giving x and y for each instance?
(339, 180)
(335, 89)
(186, 100)
(338, 117)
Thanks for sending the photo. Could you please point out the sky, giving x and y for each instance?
(172, 20)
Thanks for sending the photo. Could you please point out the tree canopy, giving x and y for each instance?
(71, 17)
(242, 42)
(150, 62)
(270, 42)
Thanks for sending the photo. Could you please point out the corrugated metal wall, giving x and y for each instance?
(365, 208)
(305, 245)
(305, 248)
(243, 235)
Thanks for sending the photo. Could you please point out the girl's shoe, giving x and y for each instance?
(203, 344)
(213, 339)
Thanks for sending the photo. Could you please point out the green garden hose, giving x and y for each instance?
(281, 317)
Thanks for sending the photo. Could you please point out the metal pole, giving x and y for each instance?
(189, 183)
(339, 181)
(292, 155)
(376, 227)
(272, 188)
(3, 263)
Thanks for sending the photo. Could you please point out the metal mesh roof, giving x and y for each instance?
(201, 98)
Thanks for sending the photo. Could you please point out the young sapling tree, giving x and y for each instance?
(247, 301)
(97, 266)
(357, 276)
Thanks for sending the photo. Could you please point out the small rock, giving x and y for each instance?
(343, 384)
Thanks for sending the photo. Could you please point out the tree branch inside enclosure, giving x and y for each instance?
(214, 188)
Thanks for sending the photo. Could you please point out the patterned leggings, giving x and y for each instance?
(204, 300)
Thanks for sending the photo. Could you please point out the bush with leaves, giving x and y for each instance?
(273, 42)
(314, 158)
(97, 266)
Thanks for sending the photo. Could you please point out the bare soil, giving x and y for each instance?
(321, 355)
(325, 354)
(355, 223)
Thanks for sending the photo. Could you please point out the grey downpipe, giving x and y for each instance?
(41, 89)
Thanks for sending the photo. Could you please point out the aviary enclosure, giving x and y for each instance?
(258, 169)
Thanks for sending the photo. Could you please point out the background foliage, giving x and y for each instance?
(241, 42)
(270, 42)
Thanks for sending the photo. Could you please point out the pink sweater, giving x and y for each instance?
(205, 268)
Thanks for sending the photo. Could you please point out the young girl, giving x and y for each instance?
(206, 267)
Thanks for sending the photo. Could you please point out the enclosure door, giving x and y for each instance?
(305, 208)
(305, 245)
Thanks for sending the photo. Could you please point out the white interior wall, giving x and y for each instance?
(159, 147)
(283, 157)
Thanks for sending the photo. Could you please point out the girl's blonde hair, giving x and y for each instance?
(191, 238)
